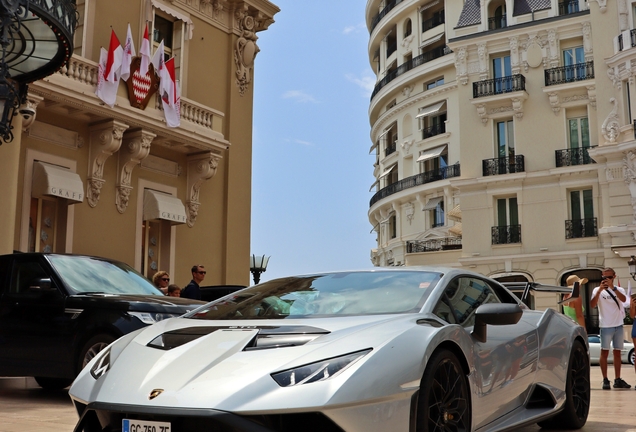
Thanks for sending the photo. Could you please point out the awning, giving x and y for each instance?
(385, 173)
(383, 134)
(432, 153)
(158, 205)
(432, 40)
(455, 213)
(432, 203)
(431, 109)
(175, 14)
(375, 144)
(456, 229)
(429, 5)
(374, 185)
(53, 180)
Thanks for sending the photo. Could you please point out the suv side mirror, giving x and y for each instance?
(41, 284)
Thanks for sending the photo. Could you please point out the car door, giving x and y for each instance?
(35, 331)
(504, 365)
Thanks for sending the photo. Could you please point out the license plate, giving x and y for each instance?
(128, 425)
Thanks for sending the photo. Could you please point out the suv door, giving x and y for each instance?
(35, 330)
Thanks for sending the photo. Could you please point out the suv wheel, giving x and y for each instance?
(92, 347)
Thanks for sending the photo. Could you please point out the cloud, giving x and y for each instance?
(354, 29)
(299, 96)
(366, 82)
(301, 142)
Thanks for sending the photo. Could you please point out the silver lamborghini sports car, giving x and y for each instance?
(403, 349)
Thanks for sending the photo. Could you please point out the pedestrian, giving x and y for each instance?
(611, 312)
(192, 290)
(574, 308)
(174, 290)
(632, 313)
(161, 280)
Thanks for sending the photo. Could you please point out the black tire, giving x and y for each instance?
(577, 393)
(630, 357)
(444, 399)
(53, 383)
(91, 348)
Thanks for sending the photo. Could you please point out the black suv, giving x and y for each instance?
(58, 311)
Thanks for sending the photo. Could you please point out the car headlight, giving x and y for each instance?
(318, 371)
(102, 364)
(152, 317)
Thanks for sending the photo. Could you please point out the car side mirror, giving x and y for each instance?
(42, 285)
(494, 314)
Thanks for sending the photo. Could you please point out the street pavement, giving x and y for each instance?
(24, 407)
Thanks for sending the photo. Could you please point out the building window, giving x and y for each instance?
(501, 69)
(628, 101)
(437, 215)
(582, 222)
(579, 132)
(392, 227)
(505, 144)
(574, 62)
(435, 165)
(170, 27)
(390, 140)
(435, 83)
(497, 16)
(391, 42)
(408, 28)
(507, 229)
(432, 17)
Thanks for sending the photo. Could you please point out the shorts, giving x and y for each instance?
(613, 335)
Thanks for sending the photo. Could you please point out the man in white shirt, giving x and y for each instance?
(610, 299)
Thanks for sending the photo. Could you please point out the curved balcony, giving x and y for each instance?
(416, 180)
(631, 42)
(384, 12)
(411, 64)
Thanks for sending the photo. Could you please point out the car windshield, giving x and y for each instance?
(333, 294)
(94, 275)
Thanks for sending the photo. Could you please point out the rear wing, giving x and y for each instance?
(535, 286)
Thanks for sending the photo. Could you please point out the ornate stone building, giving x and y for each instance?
(505, 137)
(82, 177)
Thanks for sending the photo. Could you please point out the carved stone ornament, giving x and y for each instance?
(482, 53)
(30, 107)
(135, 149)
(201, 167)
(105, 139)
(245, 50)
(614, 77)
(406, 145)
(553, 97)
(460, 65)
(409, 211)
(629, 173)
(602, 4)
(611, 126)
(406, 91)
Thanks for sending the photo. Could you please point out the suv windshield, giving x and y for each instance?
(334, 294)
(94, 275)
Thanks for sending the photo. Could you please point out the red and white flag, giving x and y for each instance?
(128, 54)
(144, 52)
(170, 94)
(158, 59)
(109, 71)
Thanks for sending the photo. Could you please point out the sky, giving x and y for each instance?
(311, 168)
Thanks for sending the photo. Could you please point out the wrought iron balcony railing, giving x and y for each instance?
(568, 7)
(408, 65)
(384, 12)
(632, 34)
(566, 74)
(573, 156)
(495, 23)
(430, 23)
(507, 234)
(416, 180)
(431, 131)
(503, 165)
(433, 245)
(391, 148)
(579, 228)
(501, 85)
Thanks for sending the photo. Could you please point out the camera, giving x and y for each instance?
(26, 112)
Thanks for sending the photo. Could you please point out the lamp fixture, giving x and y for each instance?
(632, 267)
(258, 265)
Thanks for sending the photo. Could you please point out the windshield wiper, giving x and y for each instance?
(90, 292)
